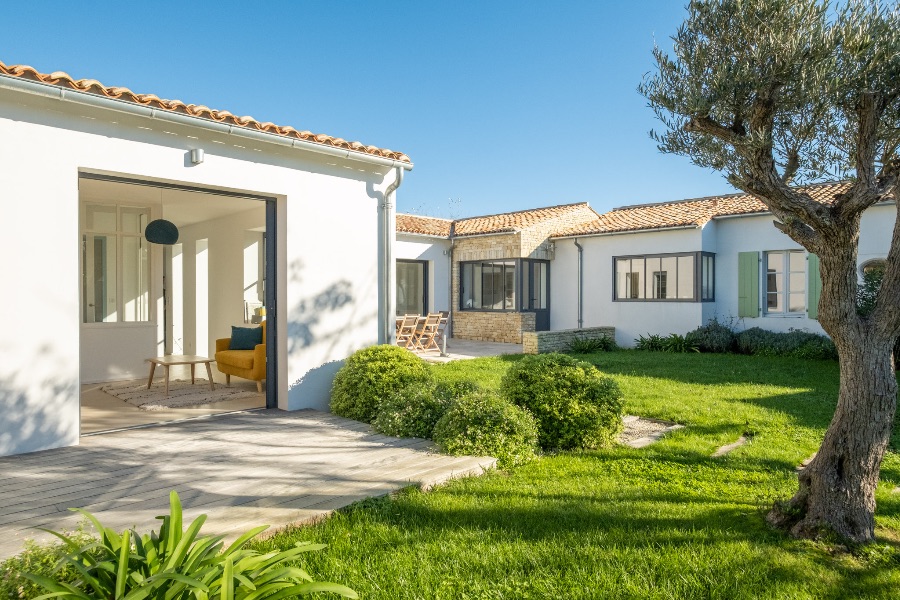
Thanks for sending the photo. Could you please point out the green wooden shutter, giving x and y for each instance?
(813, 286)
(748, 284)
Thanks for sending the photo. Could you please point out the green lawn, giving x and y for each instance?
(666, 521)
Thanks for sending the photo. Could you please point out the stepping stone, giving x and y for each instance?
(651, 429)
(722, 451)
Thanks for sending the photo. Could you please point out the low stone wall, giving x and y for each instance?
(491, 326)
(540, 342)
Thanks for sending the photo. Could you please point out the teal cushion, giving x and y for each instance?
(245, 338)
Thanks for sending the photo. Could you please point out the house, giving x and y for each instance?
(85, 167)
(496, 268)
(653, 268)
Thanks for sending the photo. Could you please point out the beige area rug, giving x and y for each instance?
(181, 393)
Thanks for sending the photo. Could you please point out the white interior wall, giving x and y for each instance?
(327, 249)
(219, 294)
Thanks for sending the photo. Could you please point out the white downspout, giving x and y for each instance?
(580, 283)
(388, 218)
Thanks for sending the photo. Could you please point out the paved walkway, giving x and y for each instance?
(265, 467)
(458, 349)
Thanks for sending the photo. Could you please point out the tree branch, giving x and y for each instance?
(706, 125)
(865, 192)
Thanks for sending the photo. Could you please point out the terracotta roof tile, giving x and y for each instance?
(569, 215)
(416, 224)
(93, 86)
(688, 213)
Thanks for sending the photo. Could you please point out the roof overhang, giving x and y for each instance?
(55, 92)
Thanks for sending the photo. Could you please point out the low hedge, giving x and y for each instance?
(796, 343)
(371, 375)
(575, 405)
(483, 424)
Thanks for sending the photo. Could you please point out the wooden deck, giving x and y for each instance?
(265, 467)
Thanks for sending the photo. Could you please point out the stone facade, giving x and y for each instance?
(533, 242)
(541, 342)
(492, 326)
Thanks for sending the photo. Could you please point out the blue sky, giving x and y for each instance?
(501, 105)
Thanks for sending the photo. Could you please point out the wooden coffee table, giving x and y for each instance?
(180, 359)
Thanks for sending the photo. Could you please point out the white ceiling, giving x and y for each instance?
(180, 207)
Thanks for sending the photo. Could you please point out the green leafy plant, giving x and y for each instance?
(41, 559)
(868, 290)
(679, 343)
(414, 410)
(372, 374)
(652, 342)
(585, 345)
(795, 343)
(178, 564)
(483, 424)
(575, 405)
(714, 337)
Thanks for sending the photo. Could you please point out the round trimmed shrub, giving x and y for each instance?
(575, 405)
(412, 411)
(371, 375)
(713, 337)
(483, 424)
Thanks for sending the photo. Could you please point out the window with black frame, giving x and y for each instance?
(665, 277)
(488, 285)
(412, 280)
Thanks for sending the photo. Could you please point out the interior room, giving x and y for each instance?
(142, 300)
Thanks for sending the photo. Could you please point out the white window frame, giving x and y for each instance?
(119, 236)
(785, 293)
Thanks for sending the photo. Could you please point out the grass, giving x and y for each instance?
(666, 521)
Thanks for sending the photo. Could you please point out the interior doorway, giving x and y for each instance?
(141, 300)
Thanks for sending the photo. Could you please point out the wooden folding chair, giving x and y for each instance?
(425, 336)
(406, 332)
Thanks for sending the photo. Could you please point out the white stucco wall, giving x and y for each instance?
(436, 252)
(758, 234)
(327, 249)
(725, 237)
(632, 318)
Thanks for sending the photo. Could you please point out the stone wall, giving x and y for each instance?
(487, 326)
(540, 342)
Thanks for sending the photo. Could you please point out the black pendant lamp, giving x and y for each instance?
(161, 231)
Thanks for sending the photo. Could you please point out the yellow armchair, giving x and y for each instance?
(247, 364)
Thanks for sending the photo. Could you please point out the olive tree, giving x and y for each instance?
(776, 93)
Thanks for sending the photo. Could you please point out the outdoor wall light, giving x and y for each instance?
(197, 156)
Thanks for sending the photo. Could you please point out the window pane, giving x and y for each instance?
(99, 279)
(775, 261)
(665, 278)
(773, 303)
(526, 294)
(134, 220)
(798, 283)
(100, 218)
(797, 261)
(797, 302)
(411, 288)
(623, 277)
(774, 282)
(685, 277)
(135, 279)
(510, 285)
(542, 286)
(637, 278)
(707, 288)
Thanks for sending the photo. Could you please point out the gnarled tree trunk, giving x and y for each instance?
(837, 489)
